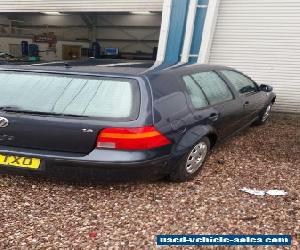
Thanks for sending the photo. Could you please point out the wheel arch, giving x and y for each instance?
(213, 138)
(193, 135)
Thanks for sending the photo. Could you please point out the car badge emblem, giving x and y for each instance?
(86, 130)
(3, 122)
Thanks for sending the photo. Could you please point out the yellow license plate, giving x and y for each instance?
(19, 161)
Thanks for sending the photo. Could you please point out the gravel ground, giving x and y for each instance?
(48, 213)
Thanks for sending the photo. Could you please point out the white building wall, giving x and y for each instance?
(262, 39)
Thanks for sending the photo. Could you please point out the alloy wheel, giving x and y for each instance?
(267, 113)
(196, 157)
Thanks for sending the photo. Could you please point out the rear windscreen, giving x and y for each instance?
(70, 95)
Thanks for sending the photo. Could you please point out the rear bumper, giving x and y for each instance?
(99, 163)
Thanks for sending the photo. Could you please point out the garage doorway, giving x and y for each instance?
(71, 36)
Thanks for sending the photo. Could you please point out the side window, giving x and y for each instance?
(197, 97)
(214, 88)
(241, 83)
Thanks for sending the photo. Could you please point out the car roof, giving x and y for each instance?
(95, 67)
(106, 67)
(187, 68)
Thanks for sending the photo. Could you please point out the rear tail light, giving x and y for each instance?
(131, 138)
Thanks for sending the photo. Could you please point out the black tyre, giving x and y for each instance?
(264, 116)
(192, 163)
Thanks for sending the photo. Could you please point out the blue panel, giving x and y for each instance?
(198, 30)
(176, 32)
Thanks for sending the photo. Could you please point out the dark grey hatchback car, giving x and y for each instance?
(121, 120)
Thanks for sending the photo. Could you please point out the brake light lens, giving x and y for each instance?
(131, 138)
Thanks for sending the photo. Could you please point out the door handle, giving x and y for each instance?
(246, 104)
(213, 117)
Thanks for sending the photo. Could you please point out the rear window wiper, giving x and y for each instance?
(50, 113)
(16, 109)
(69, 115)
(9, 108)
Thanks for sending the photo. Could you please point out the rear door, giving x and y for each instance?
(251, 99)
(213, 102)
(62, 112)
(48, 133)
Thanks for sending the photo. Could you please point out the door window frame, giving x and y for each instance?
(209, 104)
(225, 78)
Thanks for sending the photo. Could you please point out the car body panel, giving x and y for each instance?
(164, 104)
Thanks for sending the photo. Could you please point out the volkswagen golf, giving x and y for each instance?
(122, 119)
